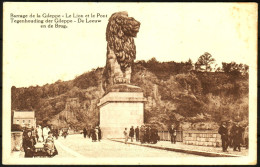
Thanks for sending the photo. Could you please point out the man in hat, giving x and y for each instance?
(132, 133)
(137, 133)
(223, 131)
(173, 133)
(238, 130)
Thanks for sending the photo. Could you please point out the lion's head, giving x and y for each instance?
(119, 34)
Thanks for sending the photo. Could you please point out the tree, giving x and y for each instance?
(235, 69)
(204, 62)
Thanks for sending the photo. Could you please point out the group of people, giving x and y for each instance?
(93, 133)
(44, 135)
(233, 136)
(144, 134)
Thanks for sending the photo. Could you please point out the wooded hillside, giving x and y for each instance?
(185, 92)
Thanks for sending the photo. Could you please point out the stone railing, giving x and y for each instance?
(16, 140)
(165, 136)
(202, 138)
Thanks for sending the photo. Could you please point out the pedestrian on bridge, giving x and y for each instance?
(154, 135)
(45, 132)
(132, 133)
(173, 134)
(65, 133)
(99, 133)
(223, 131)
(142, 134)
(246, 136)
(147, 134)
(39, 134)
(93, 135)
(84, 132)
(238, 130)
(137, 133)
(126, 135)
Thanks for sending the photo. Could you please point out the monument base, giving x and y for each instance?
(120, 110)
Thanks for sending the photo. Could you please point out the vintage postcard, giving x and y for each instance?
(129, 83)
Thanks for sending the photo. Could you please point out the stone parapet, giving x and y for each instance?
(202, 138)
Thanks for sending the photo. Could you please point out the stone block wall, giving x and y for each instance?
(202, 138)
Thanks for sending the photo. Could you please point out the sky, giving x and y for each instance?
(169, 32)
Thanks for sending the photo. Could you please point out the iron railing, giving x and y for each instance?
(165, 136)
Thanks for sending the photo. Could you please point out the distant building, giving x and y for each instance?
(25, 118)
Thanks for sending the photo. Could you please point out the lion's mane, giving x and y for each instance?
(121, 49)
(119, 35)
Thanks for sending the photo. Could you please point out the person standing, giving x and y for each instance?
(28, 144)
(126, 135)
(223, 131)
(89, 132)
(238, 130)
(154, 135)
(39, 134)
(132, 133)
(96, 131)
(56, 133)
(137, 133)
(173, 134)
(232, 135)
(99, 133)
(142, 133)
(93, 135)
(246, 136)
(147, 135)
(45, 132)
(84, 132)
(64, 133)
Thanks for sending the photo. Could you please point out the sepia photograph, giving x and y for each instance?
(129, 83)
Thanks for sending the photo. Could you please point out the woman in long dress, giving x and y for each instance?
(141, 134)
(93, 135)
(45, 132)
(28, 144)
(39, 134)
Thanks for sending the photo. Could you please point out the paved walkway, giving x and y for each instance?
(78, 146)
(106, 148)
(191, 149)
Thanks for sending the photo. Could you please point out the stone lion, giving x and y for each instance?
(121, 50)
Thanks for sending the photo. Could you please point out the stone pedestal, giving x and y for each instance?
(120, 110)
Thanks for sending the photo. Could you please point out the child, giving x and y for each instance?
(49, 144)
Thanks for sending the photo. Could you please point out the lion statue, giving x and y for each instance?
(121, 50)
